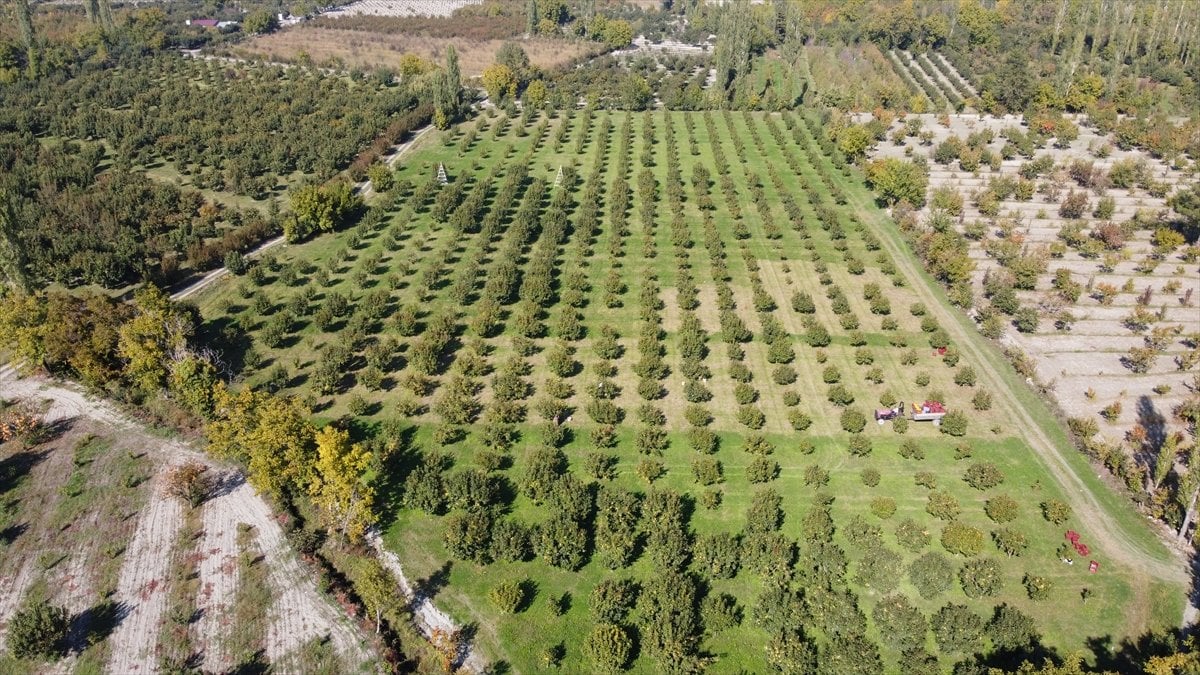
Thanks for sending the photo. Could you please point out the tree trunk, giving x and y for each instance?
(1058, 21)
(1189, 515)
(378, 620)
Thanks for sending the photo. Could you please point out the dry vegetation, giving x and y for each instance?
(362, 49)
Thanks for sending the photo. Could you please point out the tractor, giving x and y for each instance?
(885, 414)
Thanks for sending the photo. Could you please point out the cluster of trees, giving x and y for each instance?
(267, 123)
(65, 221)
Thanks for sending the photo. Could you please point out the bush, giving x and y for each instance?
(784, 375)
(190, 482)
(870, 477)
(762, 470)
(853, 420)
(860, 446)
(983, 476)
(751, 417)
(1002, 508)
(942, 505)
(608, 647)
(962, 539)
(954, 423)
(38, 631)
(883, 507)
(1038, 588)
(911, 535)
(980, 578)
(799, 420)
(612, 599)
(1010, 541)
(932, 574)
(965, 377)
(508, 596)
(982, 400)
(706, 470)
(1056, 511)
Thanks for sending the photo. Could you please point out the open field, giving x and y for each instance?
(148, 581)
(364, 49)
(656, 309)
(1086, 358)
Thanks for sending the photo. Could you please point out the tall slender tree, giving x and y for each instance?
(12, 253)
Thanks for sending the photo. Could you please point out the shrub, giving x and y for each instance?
(1038, 588)
(784, 375)
(612, 599)
(508, 596)
(900, 425)
(751, 417)
(1002, 508)
(911, 535)
(982, 400)
(1056, 511)
(799, 420)
(608, 647)
(910, 449)
(932, 574)
(883, 507)
(815, 476)
(190, 482)
(983, 476)
(860, 446)
(38, 631)
(706, 470)
(954, 423)
(1010, 541)
(981, 578)
(942, 505)
(965, 377)
(853, 420)
(840, 396)
(761, 470)
(962, 539)
(870, 477)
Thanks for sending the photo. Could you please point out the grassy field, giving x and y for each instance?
(416, 262)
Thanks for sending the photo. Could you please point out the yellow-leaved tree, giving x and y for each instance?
(271, 434)
(338, 484)
(155, 336)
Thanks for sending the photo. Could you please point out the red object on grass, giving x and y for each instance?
(1082, 549)
(1073, 536)
(1093, 566)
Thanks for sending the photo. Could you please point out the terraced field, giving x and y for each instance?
(648, 347)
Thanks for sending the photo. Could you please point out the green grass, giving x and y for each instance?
(1124, 601)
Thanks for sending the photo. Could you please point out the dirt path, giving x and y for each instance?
(364, 188)
(1110, 536)
(218, 571)
(219, 273)
(427, 616)
(300, 612)
(143, 583)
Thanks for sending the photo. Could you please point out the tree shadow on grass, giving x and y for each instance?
(430, 586)
(15, 467)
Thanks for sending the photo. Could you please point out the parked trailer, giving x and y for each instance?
(929, 411)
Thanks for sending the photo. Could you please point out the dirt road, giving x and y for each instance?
(1110, 536)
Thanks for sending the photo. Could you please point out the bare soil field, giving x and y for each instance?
(361, 49)
(150, 522)
(1083, 363)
